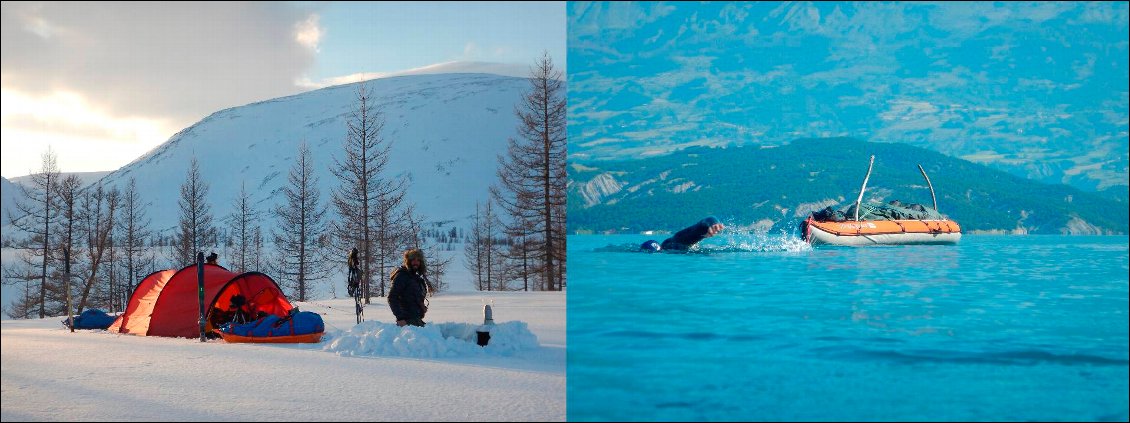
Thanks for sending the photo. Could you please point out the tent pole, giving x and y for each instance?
(67, 276)
(200, 284)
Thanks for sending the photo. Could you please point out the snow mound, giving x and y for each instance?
(432, 341)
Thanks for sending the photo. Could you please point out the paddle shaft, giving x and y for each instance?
(920, 169)
(864, 187)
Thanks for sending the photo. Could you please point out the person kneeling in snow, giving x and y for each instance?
(408, 295)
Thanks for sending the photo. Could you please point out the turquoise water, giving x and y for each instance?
(766, 328)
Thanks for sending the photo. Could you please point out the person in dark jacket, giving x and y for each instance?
(687, 237)
(353, 282)
(408, 295)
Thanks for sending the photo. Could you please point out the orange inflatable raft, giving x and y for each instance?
(882, 232)
(899, 225)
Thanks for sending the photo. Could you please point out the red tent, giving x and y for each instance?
(166, 303)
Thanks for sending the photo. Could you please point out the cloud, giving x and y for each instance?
(177, 61)
(505, 69)
(85, 137)
(308, 33)
(470, 49)
(104, 82)
(68, 114)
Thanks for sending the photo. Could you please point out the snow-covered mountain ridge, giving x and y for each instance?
(445, 130)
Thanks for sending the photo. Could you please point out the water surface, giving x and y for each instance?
(767, 328)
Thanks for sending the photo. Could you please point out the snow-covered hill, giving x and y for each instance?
(446, 132)
(86, 178)
(9, 192)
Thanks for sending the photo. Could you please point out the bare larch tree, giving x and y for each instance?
(301, 225)
(34, 217)
(368, 202)
(97, 222)
(532, 175)
(241, 229)
(196, 231)
(133, 230)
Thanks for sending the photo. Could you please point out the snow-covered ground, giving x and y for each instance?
(371, 372)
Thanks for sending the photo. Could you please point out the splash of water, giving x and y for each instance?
(730, 242)
(753, 241)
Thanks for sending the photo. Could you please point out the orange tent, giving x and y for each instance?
(166, 303)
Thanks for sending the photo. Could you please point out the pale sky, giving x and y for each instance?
(103, 83)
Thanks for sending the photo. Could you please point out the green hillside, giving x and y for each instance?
(748, 186)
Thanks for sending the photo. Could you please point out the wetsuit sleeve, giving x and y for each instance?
(692, 234)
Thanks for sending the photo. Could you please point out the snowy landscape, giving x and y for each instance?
(445, 132)
(374, 371)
